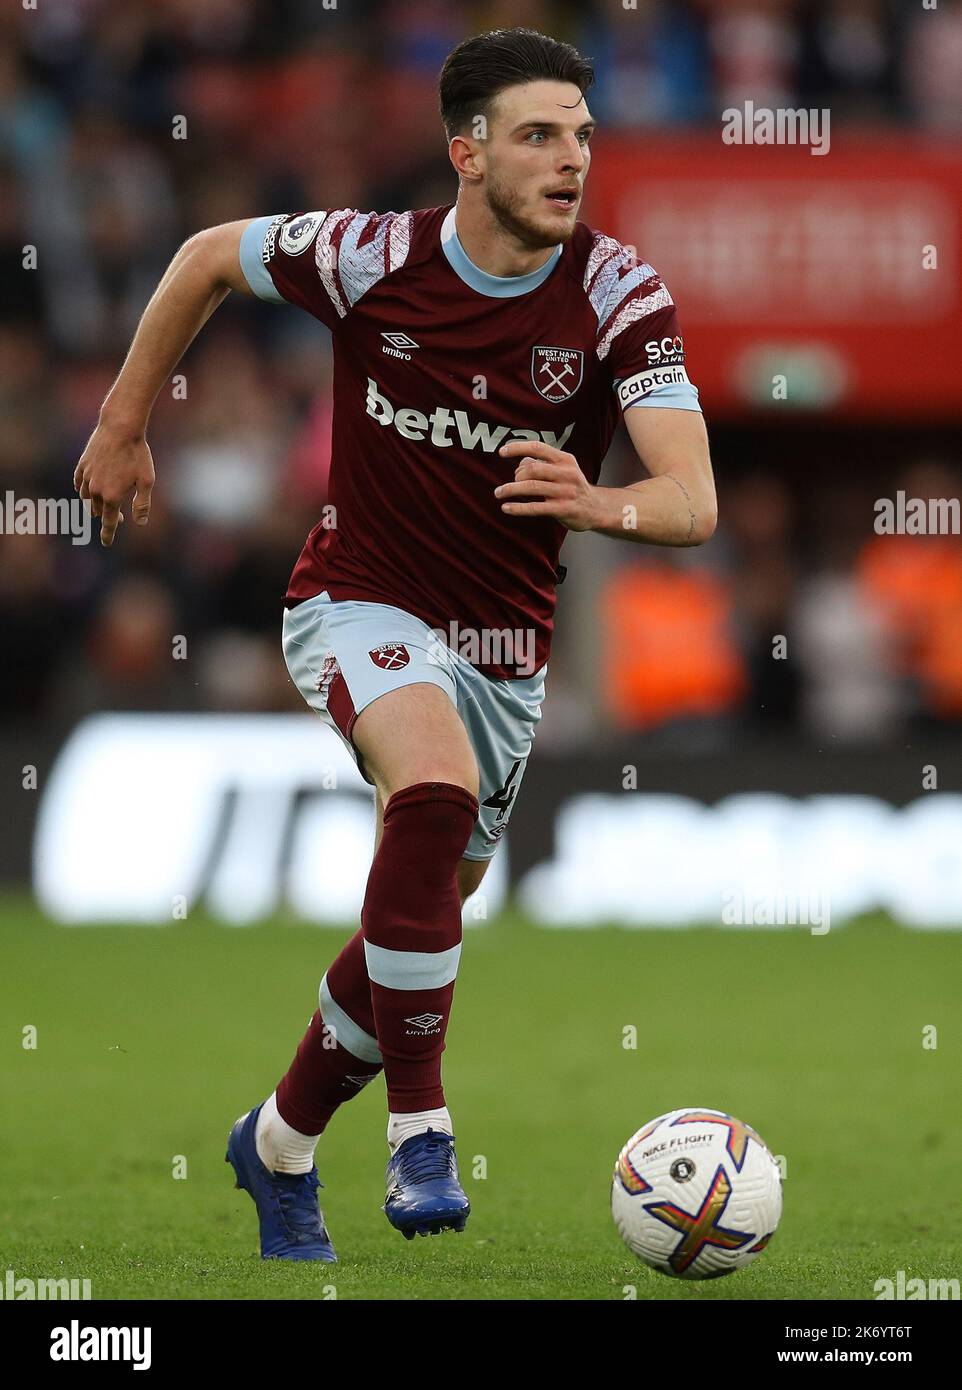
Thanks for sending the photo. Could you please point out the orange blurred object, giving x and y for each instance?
(916, 582)
(668, 647)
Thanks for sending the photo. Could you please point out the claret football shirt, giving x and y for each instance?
(437, 364)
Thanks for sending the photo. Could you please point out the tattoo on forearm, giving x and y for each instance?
(691, 510)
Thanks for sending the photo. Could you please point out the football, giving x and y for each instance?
(696, 1194)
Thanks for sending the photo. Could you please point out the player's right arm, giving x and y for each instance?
(117, 458)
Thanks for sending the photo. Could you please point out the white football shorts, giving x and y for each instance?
(342, 655)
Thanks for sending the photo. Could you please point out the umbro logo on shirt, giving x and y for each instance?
(399, 343)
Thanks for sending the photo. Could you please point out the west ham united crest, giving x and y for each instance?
(557, 372)
(390, 656)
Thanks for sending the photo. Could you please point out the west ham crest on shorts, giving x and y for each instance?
(557, 372)
(390, 656)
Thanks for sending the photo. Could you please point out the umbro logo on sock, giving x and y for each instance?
(360, 1081)
(424, 1024)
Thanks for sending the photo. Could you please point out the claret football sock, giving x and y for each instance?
(338, 1054)
(412, 933)
(280, 1148)
(401, 1127)
(411, 922)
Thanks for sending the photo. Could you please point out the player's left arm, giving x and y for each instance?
(675, 505)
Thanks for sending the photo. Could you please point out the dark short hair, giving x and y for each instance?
(481, 67)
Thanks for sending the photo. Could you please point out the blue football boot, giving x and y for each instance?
(292, 1227)
(424, 1194)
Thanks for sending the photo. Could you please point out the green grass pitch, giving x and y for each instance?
(151, 1041)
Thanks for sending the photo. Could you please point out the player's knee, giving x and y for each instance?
(435, 819)
(426, 830)
(450, 767)
(463, 774)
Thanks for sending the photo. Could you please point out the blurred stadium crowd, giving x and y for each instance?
(293, 105)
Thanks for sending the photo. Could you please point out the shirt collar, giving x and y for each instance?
(495, 286)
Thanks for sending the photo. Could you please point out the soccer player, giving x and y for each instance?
(483, 353)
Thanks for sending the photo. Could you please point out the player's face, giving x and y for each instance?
(536, 160)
